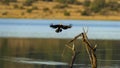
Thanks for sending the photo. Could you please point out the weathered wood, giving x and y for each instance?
(90, 50)
(75, 53)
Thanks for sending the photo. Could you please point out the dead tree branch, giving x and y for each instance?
(75, 53)
(90, 50)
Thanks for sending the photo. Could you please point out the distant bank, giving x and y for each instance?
(56, 10)
(117, 18)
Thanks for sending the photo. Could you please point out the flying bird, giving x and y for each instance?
(59, 27)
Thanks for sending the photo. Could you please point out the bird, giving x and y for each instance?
(59, 27)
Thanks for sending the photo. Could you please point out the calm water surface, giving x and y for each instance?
(26, 43)
(47, 53)
(40, 28)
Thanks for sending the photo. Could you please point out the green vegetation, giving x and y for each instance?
(8, 1)
(46, 9)
(16, 6)
(87, 3)
(4, 13)
(35, 8)
(47, 0)
(97, 5)
(29, 2)
(61, 6)
(21, 7)
(29, 10)
(114, 6)
(100, 6)
(86, 12)
(66, 1)
(66, 13)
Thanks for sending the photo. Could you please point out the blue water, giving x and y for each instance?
(39, 28)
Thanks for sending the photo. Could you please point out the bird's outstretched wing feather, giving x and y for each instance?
(54, 26)
(66, 26)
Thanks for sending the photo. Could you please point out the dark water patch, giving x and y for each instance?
(47, 53)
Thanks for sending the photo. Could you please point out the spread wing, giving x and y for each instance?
(54, 26)
(66, 26)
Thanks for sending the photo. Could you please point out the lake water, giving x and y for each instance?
(40, 28)
(27, 43)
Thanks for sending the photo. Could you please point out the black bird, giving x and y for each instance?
(59, 27)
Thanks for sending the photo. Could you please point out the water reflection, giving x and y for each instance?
(46, 53)
(32, 61)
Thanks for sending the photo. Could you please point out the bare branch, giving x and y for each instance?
(90, 51)
(86, 30)
(76, 37)
(89, 48)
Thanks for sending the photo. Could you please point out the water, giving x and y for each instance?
(40, 28)
(47, 53)
(26, 43)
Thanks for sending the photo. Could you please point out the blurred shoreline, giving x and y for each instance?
(109, 18)
(57, 10)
